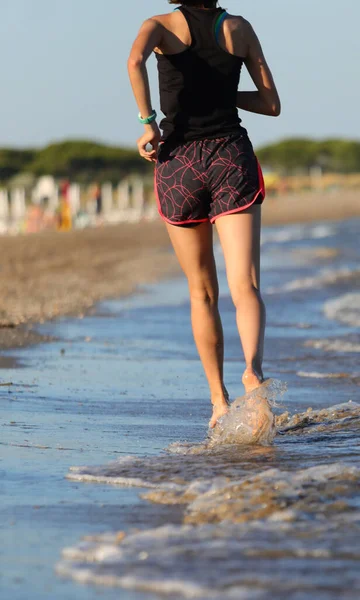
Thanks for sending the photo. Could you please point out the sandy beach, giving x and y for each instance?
(44, 276)
(47, 275)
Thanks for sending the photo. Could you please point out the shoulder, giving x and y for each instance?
(163, 20)
(240, 31)
(156, 25)
(239, 25)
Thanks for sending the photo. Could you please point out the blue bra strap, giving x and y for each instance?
(221, 18)
(219, 21)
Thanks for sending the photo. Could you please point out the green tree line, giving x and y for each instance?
(301, 154)
(86, 161)
(14, 161)
(83, 161)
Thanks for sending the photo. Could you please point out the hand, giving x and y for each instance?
(151, 136)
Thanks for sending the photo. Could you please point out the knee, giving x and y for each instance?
(201, 294)
(242, 291)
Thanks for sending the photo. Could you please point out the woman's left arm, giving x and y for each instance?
(149, 37)
(265, 101)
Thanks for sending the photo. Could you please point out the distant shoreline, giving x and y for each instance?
(47, 275)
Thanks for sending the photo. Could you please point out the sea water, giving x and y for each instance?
(110, 477)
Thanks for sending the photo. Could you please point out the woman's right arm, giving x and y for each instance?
(148, 38)
(265, 101)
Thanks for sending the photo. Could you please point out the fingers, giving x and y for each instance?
(149, 155)
(151, 137)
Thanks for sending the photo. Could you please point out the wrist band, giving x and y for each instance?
(149, 119)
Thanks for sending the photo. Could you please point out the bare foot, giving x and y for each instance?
(219, 410)
(251, 380)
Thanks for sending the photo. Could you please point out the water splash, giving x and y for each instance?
(250, 419)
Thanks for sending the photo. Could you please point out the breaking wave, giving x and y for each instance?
(345, 309)
(323, 278)
(335, 345)
(297, 233)
(200, 463)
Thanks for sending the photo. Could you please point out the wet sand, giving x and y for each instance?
(48, 275)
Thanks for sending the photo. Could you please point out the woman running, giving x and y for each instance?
(206, 171)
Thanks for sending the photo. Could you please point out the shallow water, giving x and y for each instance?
(278, 521)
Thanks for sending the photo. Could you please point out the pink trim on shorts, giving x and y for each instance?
(162, 214)
(261, 190)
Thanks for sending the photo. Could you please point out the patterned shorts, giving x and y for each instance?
(202, 180)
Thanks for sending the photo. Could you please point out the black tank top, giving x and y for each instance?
(198, 86)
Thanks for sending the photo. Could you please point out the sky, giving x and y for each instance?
(63, 71)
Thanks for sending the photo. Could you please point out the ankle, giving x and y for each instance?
(253, 369)
(220, 398)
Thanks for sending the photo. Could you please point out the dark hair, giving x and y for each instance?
(204, 3)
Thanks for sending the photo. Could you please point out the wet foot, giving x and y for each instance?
(221, 405)
(219, 410)
(251, 380)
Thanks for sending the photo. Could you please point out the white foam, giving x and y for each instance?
(242, 523)
(316, 375)
(128, 471)
(319, 280)
(235, 539)
(345, 309)
(334, 345)
(201, 467)
(325, 420)
(294, 233)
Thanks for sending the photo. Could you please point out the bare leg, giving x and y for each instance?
(240, 239)
(194, 250)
